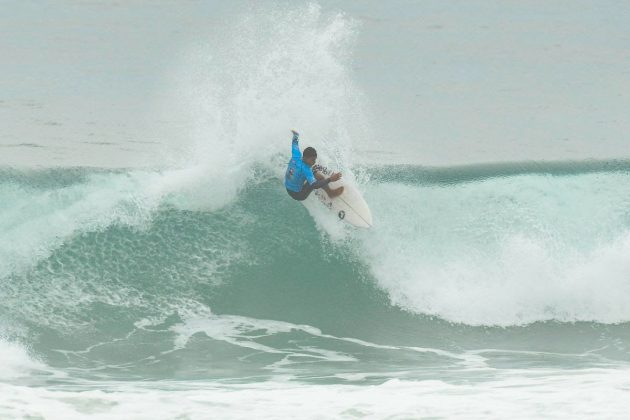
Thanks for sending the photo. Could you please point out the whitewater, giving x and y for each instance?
(161, 271)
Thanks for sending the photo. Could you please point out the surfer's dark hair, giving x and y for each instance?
(309, 152)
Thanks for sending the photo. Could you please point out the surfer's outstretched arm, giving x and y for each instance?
(332, 193)
(295, 146)
(321, 182)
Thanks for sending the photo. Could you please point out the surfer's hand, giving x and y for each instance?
(335, 177)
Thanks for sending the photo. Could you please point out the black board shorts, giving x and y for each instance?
(302, 194)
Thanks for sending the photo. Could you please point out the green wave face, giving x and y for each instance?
(130, 275)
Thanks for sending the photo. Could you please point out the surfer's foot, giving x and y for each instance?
(334, 193)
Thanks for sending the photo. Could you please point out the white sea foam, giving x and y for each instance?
(505, 251)
(16, 361)
(513, 394)
(272, 71)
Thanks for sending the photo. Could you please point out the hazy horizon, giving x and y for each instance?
(441, 83)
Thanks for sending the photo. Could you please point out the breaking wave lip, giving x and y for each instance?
(448, 175)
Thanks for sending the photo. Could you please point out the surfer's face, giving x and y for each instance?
(310, 161)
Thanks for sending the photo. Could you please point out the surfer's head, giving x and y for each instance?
(309, 156)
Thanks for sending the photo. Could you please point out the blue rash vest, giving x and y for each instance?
(297, 171)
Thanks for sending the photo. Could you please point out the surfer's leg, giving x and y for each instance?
(294, 195)
(306, 190)
(332, 192)
(302, 194)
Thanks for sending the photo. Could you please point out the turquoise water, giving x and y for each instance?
(153, 267)
(502, 269)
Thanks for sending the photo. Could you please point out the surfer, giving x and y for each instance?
(300, 180)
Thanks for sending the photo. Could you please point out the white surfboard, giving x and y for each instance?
(349, 206)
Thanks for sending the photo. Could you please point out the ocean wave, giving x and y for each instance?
(507, 250)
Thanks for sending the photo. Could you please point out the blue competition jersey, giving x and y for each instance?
(297, 171)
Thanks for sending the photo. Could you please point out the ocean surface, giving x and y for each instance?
(153, 267)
